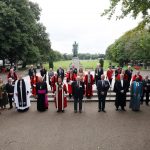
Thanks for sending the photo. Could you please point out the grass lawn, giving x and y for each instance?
(64, 64)
(87, 64)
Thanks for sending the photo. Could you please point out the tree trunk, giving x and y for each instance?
(24, 64)
(3, 62)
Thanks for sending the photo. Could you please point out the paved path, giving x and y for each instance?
(87, 131)
(90, 130)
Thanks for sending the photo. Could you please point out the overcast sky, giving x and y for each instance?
(79, 20)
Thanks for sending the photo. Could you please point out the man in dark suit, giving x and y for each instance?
(146, 90)
(10, 91)
(102, 87)
(120, 88)
(31, 71)
(43, 73)
(128, 73)
(98, 72)
(60, 73)
(78, 90)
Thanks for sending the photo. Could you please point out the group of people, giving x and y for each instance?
(77, 84)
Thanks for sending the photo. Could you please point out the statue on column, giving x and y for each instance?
(75, 49)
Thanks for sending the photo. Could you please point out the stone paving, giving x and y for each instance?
(90, 130)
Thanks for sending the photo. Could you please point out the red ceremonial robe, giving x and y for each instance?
(60, 97)
(34, 80)
(135, 76)
(53, 81)
(125, 77)
(89, 85)
(109, 74)
(13, 76)
(70, 79)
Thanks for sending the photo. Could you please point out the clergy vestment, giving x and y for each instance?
(54, 80)
(70, 79)
(42, 98)
(22, 95)
(60, 98)
(110, 75)
(34, 80)
(136, 93)
(13, 76)
(89, 81)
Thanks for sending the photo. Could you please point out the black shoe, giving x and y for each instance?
(147, 104)
(117, 109)
(70, 96)
(103, 110)
(75, 111)
(80, 111)
(63, 110)
(99, 110)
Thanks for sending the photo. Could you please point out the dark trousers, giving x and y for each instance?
(76, 100)
(101, 102)
(147, 97)
(110, 81)
(10, 97)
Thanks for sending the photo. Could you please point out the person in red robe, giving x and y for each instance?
(117, 72)
(89, 81)
(70, 78)
(34, 80)
(137, 75)
(60, 89)
(12, 75)
(110, 74)
(54, 80)
(125, 76)
(74, 69)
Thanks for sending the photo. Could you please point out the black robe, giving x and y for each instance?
(22, 97)
(41, 86)
(120, 97)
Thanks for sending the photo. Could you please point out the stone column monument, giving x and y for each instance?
(75, 59)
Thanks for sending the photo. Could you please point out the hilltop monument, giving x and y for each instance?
(75, 59)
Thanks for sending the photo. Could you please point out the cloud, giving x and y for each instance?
(79, 20)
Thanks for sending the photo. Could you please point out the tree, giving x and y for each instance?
(133, 7)
(133, 45)
(22, 36)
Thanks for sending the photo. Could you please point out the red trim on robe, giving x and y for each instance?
(135, 76)
(73, 78)
(34, 80)
(60, 97)
(89, 88)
